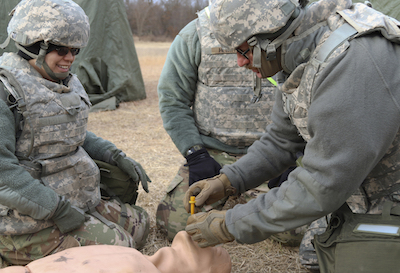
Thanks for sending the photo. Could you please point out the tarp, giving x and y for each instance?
(5, 7)
(108, 67)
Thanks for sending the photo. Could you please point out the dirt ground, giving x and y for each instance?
(136, 128)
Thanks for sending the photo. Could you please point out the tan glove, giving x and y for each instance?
(208, 228)
(209, 191)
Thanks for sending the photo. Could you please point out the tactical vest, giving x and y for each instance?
(349, 23)
(52, 133)
(222, 107)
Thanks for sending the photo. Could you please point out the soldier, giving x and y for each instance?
(338, 105)
(206, 105)
(50, 191)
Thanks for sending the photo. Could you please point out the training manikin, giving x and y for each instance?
(183, 256)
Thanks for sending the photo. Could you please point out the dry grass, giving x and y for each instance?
(136, 128)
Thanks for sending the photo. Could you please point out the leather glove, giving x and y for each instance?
(131, 167)
(209, 191)
(66, 217)
(209, 229)
(201, 166)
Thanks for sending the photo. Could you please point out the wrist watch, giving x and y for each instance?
(193, 149)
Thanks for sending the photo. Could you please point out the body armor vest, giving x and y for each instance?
(383, 180)
(222, 107)
(53, 131)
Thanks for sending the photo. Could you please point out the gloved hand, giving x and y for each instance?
(66, 217)
(131, 167)
(209, 191)
(201, 166)
(209, 229)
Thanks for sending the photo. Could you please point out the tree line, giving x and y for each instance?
(161, 19)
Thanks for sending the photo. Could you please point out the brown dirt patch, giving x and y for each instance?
(136, 128)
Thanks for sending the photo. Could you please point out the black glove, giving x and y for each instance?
(132, 168)
(277, 181)
(66, 217)
(201, 166)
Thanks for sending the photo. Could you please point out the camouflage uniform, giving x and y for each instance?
(50, 157)
(361, 201)
(171, 214)
(129, 231)
(223, 114)
(343, 154)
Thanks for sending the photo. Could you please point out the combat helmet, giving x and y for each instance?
(264, 24)
(58, 22)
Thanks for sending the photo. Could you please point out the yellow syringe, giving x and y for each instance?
(192, 202)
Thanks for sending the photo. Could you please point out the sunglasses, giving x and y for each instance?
(243, 53)
(63, 50)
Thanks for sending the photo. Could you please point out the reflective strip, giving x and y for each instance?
(207, 10)
(271, 80)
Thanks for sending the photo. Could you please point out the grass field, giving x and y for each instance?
(136, 128)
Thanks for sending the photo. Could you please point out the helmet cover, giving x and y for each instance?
(60, 22)
(235, 21)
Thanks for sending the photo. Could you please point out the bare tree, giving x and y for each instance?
(161, 17)
(139, 10)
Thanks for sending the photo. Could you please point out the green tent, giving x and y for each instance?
(5, 7)
(108, 67)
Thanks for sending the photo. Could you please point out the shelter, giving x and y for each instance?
(108, 67)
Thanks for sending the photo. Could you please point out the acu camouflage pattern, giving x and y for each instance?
(235, 21)
(222, 107)
(297, 87)
(296, 92)
(56, 117)
(307, 254)
(61, 22)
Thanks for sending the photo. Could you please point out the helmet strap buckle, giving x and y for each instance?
(42, 54)
(270, 52)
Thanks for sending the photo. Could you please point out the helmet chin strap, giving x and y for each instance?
(55, 76)
(41, 63)
(265, 49)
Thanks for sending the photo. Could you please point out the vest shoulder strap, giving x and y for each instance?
(11, 93)
(338, 37)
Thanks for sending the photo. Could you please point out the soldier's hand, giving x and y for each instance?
(201, 166)
(66, 217)
(208, 228)
(208, 191)
(132, 168)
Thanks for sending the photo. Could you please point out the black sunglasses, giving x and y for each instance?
(63, 50)
(243, 53)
